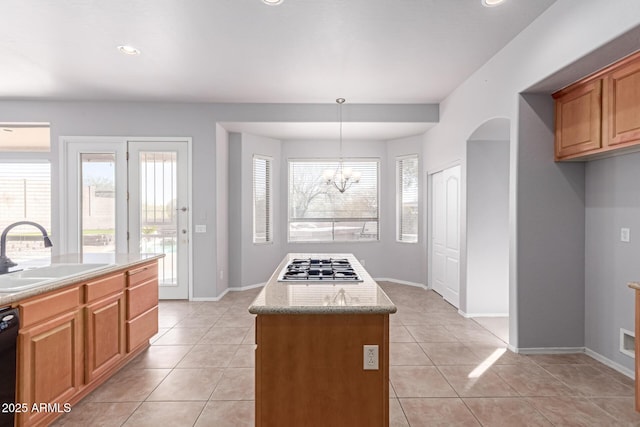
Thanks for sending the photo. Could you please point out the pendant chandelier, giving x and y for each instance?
(343, 177)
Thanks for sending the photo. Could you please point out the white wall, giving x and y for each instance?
(567, 31)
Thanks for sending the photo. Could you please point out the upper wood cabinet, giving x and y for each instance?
(579, 119)
(600, 114)
(623, 104)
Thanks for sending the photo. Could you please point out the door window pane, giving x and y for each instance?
(98, 202)
(158, 211)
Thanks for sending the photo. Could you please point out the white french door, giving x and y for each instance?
(159, 210)
(445, 241)
(139, 205)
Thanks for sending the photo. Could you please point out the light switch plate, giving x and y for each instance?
(625, 234)
(201, 228)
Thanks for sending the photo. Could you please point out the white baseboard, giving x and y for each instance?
(471, 315)
(569, 350)
(230, 289)
(400, 282)
(549, 350)
(610, 363)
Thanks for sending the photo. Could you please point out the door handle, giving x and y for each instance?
(183, 209)
(184, 231)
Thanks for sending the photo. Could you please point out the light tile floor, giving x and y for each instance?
(445, 370)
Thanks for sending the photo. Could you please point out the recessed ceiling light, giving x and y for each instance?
(272, 2)
(491, 3)
(128, 50)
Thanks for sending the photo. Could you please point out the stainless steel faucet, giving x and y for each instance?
(5, 262)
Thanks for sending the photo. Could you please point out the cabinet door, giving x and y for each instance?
(50, 363)
(105, 329)
(623, 104)
(578, 120)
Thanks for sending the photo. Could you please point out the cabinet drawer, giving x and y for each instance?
(142, 274)
(42, 307)
(104, 286)
(141, 298)
(140, 329)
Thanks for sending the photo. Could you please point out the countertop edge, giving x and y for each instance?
(260, 310)
(634, 285)
(12, 298)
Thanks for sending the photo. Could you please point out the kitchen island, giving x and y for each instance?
(82, 318)
(322, 355)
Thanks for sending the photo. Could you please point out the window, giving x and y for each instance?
(25, 137)
(407, 198)
(318, 212)
(25, 195)
(262, 206)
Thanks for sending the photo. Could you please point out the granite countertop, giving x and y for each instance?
(634, 285)
(364, 297)
(112, 262)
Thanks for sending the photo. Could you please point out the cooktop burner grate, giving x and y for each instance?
(319, 269)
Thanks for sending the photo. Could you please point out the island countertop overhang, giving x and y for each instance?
(365, 297)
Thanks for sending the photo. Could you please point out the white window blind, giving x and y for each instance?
(407, 199)
(25, 195)
(318, 212)
(262, 206)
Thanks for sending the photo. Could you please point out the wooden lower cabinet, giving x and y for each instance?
(105, 334)
(50, 365)
(73, 339)
(309, 370)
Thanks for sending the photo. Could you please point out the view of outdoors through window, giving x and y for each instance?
(25, 195)
(318, 212)
(407, 217)
(159, 210)
(98, 202)
(262, 223)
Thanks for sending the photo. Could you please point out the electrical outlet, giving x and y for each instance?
(625, 234)
(200, 228)
(370, 358)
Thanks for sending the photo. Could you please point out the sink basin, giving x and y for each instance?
(16, 284)
(27, 279)
(56, 271)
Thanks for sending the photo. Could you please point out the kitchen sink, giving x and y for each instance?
(58, 270)
(27, 279)
(16, 284)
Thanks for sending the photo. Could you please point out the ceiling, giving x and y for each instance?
(238, 51)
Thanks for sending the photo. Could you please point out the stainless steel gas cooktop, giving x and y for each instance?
(319, 270)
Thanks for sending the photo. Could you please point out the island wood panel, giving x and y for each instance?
(49, 365)
(309, 370)
(105, 334)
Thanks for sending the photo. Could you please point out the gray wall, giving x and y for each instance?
(487, 228)
(612, 202)
(551, 230)
(198, 121)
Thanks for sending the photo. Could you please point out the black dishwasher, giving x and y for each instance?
(8, 338)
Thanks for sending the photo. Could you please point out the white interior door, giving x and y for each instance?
(159, 210)
(445, 241)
